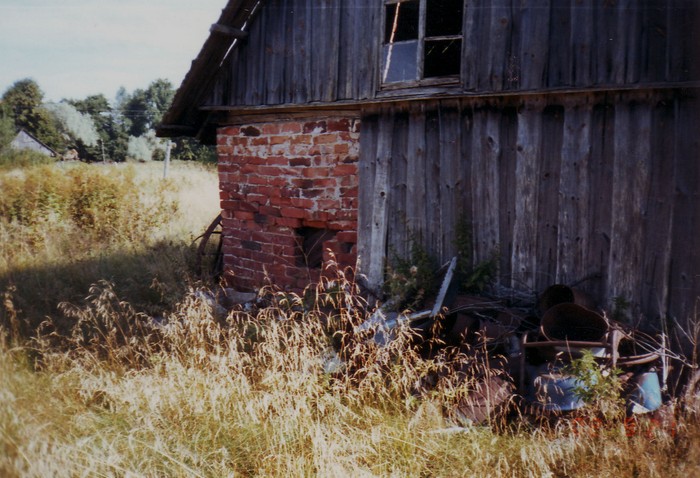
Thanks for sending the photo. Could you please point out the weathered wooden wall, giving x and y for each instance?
(311, 51)
(564, 186)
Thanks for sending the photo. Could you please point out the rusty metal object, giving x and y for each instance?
(209, 262)
(485, 401)
(573, 322)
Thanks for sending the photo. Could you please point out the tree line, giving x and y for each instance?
(95, 128)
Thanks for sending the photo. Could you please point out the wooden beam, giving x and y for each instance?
(228, 31)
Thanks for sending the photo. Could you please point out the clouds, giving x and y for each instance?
(75, 48)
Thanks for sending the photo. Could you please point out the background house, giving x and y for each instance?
(564, 133)
(25, 140)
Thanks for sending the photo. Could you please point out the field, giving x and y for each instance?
(113, 363)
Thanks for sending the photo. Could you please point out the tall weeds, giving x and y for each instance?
(66, 226)
(290, 386)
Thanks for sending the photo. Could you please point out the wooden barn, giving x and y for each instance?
(565, 132)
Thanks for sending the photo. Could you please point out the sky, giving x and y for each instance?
(77, 48)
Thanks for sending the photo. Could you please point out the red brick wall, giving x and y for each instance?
(279, 182)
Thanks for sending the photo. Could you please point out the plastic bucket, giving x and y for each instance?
(646, 395)
(557, 392)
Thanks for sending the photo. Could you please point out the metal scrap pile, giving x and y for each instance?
(530, 348)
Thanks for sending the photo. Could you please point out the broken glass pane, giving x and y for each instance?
(401, 21)
(443, 17)
(400, 62)
(442, 58)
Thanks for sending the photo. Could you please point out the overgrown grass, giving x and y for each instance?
(117, 384)
(66, 226)
(252, 395)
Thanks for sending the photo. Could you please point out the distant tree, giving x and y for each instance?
(7, 128)
(145, 147)
(144, 108)
(78, 129)
(189, 149)
(23, 101)
(113, 139)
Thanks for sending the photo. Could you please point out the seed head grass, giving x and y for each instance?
(108, 384)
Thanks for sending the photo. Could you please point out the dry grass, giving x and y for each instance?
(66, 226)
(285, 389)
(251, 395)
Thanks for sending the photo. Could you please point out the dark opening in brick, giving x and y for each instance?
(310, 246)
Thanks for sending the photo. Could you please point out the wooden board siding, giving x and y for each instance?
(323, 51)
(302, 51)
(600, 186)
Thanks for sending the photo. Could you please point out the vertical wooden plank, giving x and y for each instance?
(574, 191)
(366, 176)
(323, 46)
(501, 70)
(274, 50)
(470, 45)
(398, 231)
(507, 185)
(481, 51)
(656, 254)
(450, 151)
(683, 40)
(606, 40)
(582, 44)
(319, 28)
(549, 196)
(631, 173)
(486, 152)
(239, 69)
(630, 22)
(529, 134)
(367, 52)
(229, 79)
(624, 54)
(255, 59)
(416, 210)
(290, 25)
(534, 45)
(346, 49)
(380, 199)
(600, 196)
(653, 51)
(560, 59)
(301, 51)
(432, 179)
(465, 193)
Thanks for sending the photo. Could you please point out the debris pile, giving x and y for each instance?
(530, 349)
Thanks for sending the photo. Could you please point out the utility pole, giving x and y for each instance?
(166, 164)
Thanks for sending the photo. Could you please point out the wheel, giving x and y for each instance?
(209, 263)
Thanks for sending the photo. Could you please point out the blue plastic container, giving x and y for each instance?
(645, 397)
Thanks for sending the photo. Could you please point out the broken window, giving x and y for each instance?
(422, 40)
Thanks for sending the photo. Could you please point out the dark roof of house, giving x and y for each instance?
(184, 117)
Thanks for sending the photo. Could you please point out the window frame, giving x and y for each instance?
(447, 80)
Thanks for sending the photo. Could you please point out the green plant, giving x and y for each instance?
(472, 278)
(410, 280)
(621, 308)
(600, 387)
